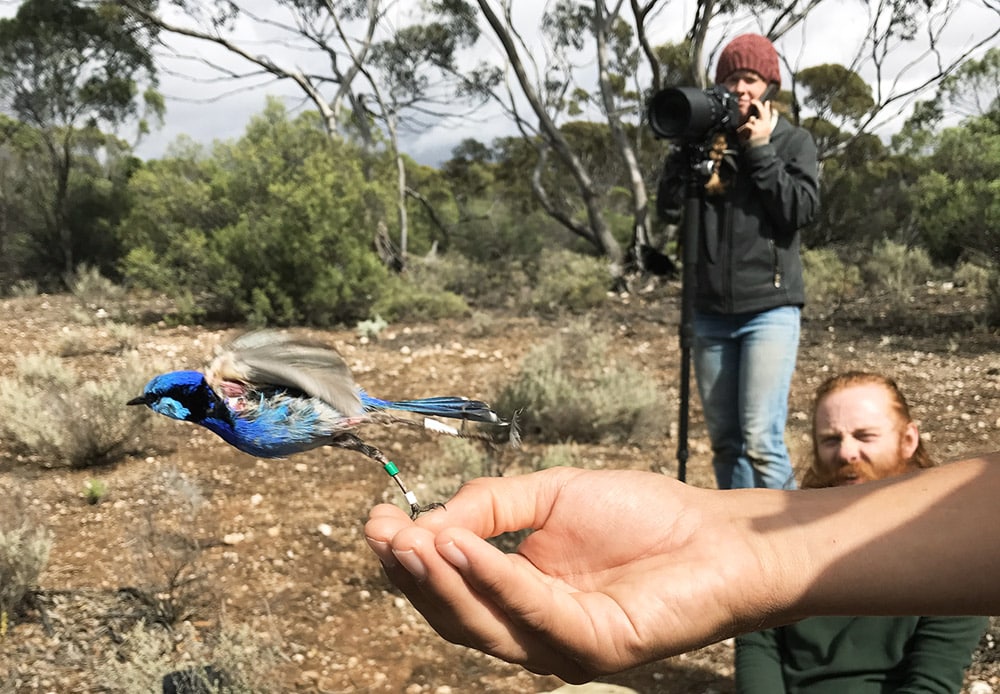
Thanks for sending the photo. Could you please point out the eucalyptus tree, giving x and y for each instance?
(271, 228)
(16, 208)
(957, 198)
(866, 181)
(71, 72)
(591, 55)
(367, 69)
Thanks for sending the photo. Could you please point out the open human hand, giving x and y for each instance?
(624, 567)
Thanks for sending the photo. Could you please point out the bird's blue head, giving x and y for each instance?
(183, 395)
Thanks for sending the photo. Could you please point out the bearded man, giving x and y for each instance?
(862, 431)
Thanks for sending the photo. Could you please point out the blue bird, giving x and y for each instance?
(273, 395)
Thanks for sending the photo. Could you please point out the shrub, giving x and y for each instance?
(568, 280)
(459, 461)
(92, 289)
(896, 269)
(24, 552)
(571, 388)
(276, 228)
(974, 277)
(559, 455)
(829, 280)
(94, 491)
(74, 343)
(370, 329)
(992, 313)
(495, 234)
(125, 337)
(485, 284)
(231, 660)
(168, 552)
(404, 300)
(24, 289)
(50, 416)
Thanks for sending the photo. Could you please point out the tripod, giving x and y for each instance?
(697, 170)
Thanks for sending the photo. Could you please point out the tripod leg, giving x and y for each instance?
(353, 443)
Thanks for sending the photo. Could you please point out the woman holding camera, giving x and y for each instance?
(749, 289)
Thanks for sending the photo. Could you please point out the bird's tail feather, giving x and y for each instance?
(449, 406)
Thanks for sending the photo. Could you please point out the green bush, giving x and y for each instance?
(94, 491)
(571, 281)
(403, 300)
(560, 455)
(974, 277)
(277, 227)
(24, 552)
(992, 313)
(895, 269)
(53, 418)
(495, 284)
(829, 280)
(494, 235)
(92, 289)
(571, 388)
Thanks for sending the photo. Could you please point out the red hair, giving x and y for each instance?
(814, 477)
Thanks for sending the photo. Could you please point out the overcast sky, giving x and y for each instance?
(206, 110)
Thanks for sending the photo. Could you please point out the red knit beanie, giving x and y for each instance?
(749, 52)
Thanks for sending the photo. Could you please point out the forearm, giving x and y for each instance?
(917, 544)
(625, 567)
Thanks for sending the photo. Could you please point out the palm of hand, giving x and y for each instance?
(620, 565)
(639, 557)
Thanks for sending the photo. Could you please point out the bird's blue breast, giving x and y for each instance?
(276, 426)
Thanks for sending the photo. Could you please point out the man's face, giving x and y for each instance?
(747, 85)
(860, 438)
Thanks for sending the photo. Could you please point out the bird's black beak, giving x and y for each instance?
(141, 400)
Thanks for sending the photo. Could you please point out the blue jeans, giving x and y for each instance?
(744, 365)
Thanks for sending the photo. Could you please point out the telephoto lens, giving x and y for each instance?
(693, 114)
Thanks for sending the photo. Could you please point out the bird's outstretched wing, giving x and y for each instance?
(267, 357)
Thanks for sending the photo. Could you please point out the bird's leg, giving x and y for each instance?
(352, 442)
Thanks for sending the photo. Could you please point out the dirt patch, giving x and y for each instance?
(279, 543)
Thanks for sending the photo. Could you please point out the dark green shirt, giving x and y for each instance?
(859, 655)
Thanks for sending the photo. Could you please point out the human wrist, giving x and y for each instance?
(782, 567)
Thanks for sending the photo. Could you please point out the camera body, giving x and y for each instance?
(693, 114)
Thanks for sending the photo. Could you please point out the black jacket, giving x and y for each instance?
(748, 255)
